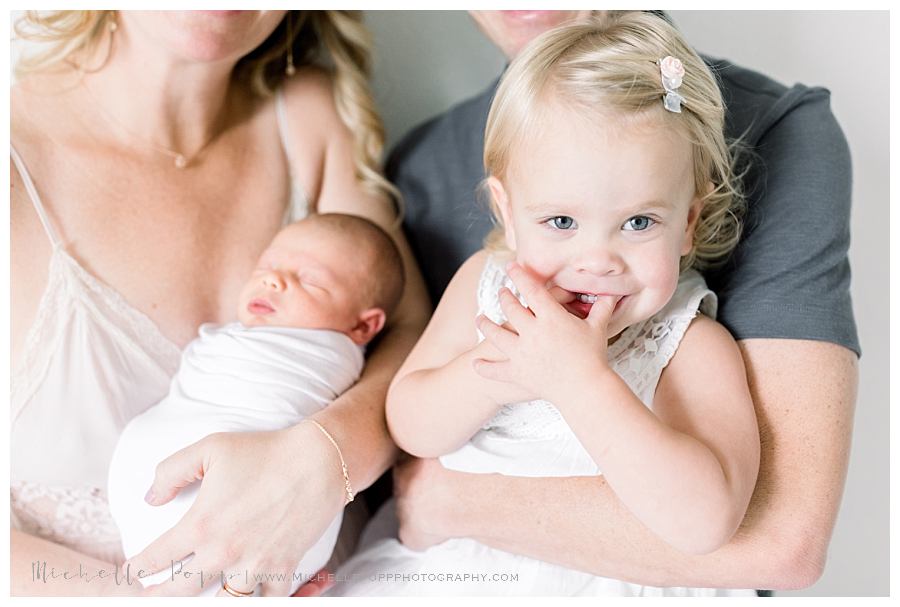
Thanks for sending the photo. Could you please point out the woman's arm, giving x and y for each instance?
(357, 418)
(39, 567)
(579, 522)
(289, 482)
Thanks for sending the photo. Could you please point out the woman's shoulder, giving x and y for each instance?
(309, 124)
(41, 108)
(35, 128)
(29, 109)
(309, 94)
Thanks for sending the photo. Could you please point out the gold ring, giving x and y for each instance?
(233, 591)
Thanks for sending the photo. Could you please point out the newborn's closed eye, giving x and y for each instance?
(313, 282)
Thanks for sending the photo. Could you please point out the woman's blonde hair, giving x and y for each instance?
(610, 69)
(335, 39)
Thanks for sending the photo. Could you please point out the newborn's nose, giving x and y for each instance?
(273, 281)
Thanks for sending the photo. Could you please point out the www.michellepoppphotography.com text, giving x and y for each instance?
(42, 572)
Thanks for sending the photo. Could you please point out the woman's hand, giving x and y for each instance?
(545, 346)
(424, 501)
(265, 499)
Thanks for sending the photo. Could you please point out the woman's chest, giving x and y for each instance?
(185, 268)
(178, 253)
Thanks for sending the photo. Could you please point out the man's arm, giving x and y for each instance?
(804, 394)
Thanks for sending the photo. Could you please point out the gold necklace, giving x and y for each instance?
(180, 160)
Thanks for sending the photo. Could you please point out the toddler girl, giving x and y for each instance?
(611, 182)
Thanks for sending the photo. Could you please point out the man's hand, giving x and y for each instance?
(423, 501)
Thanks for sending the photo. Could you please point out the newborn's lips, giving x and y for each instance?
(260, 307)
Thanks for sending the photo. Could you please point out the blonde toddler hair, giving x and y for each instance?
(608, 68)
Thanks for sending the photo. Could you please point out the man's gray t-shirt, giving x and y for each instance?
(788, 278)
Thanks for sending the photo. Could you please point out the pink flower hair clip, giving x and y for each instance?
(672, 72)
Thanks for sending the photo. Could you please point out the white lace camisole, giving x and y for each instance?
(90, 363)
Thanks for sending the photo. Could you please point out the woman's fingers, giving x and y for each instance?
(177, 471)
(190, 577)
(165, 553)
(263, 579)
(238, 583)
(278, 582)
(199, 574)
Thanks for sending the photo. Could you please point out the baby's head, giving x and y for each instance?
(598, 188)
(331, 271)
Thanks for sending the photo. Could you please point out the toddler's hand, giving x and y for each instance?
(500, 392)
(545, 346)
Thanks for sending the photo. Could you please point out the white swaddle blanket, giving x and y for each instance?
(231, 379)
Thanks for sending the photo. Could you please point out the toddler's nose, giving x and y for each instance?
(601, 261)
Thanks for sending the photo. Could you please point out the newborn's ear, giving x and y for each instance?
(369, 323)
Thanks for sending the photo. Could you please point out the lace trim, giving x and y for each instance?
(76, 516)
(31, 371)
(655, 345)
(136, 325)
(493, 276)
(142, 328)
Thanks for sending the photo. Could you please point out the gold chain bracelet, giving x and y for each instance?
(340, 455)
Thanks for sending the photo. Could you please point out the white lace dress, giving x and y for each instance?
(525, 439)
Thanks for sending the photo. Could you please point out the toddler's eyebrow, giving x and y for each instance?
(553, 206)
(652, 205)
(574, 208)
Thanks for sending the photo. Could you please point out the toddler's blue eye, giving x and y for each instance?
(562, 222)
(638, 223)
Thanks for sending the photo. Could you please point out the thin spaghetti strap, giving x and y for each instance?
(35, 198)
(281, 116)
(298, 205)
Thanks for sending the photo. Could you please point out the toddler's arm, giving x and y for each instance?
(686, 469)
(436, 402)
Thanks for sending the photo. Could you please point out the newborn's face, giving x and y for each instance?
(305, 279)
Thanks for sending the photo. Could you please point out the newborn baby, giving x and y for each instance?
(320, 292)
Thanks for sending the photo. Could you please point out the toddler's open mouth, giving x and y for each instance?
(581, 303)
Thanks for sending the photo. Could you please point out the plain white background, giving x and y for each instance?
(427, 61)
